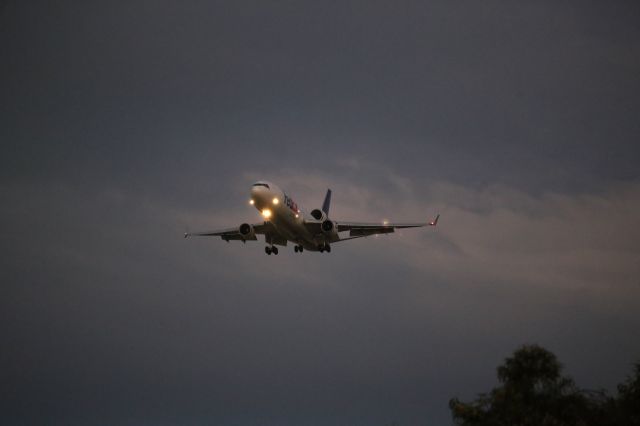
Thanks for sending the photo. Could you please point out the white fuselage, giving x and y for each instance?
(280, 209)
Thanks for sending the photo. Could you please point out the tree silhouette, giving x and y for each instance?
(625, 409)
(533, 391)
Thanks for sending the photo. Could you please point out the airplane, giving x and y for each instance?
(284, 221)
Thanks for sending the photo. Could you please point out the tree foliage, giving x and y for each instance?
(534, 391)
(625, 409)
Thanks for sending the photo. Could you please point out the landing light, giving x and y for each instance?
(251, 202)
(266, 213)
(275, 201)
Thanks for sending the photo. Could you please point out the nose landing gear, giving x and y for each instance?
(298, 248)
(271, 249)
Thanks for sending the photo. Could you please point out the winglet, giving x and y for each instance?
(327, 202)
(434, 222)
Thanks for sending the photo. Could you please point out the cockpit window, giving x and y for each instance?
(261, 184)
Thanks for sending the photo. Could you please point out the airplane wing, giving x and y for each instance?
(358, 229)
(234, 233)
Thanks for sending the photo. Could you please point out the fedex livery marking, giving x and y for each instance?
(288, 201)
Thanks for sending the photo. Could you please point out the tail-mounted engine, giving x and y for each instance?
(318, 214)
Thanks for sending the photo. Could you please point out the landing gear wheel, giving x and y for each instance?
(267, 250)
(295, 248)
(300, 249)
(274, 250)
(327, 247)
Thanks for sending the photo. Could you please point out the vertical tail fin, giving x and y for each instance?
(327, 202)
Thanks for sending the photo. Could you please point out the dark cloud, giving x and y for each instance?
(124, 123)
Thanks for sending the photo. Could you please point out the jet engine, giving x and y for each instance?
(318, 214)
(247, 232)
(328, 227)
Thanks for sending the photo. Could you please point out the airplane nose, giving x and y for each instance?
(258, 195)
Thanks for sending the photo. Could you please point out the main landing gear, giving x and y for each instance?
(298, 248)
(324, 247)
(271, 249)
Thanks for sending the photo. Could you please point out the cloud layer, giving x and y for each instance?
(104, 297)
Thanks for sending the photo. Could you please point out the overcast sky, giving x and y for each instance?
(122, 124)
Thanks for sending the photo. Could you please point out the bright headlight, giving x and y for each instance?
(275, 201)
(266, 213)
